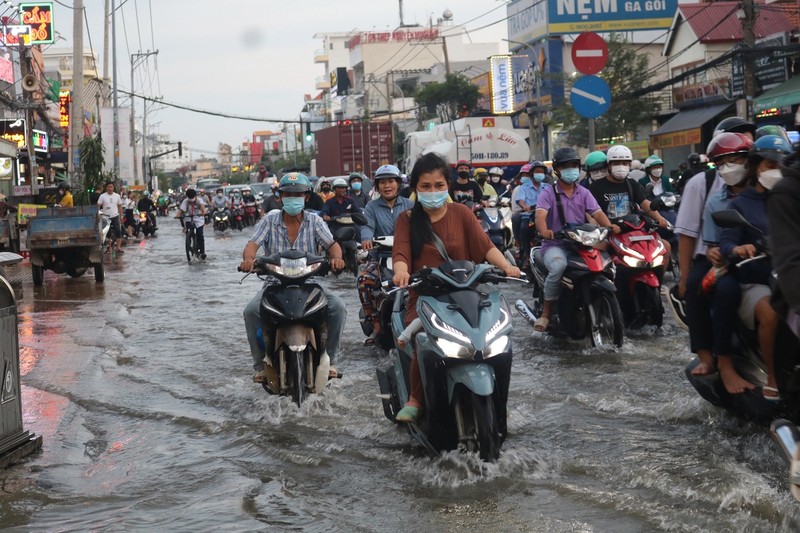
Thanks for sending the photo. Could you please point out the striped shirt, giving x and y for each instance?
(272, 234)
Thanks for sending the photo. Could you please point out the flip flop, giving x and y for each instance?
(334, 374)
(370, 341)
(771, 398)
(541, 324)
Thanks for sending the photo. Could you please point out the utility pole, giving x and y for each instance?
(136, 58)
(106, 22)
(749, 37)
(76, 123)
(115, 92)
(446, 57)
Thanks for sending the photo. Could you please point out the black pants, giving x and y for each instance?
(698, 307)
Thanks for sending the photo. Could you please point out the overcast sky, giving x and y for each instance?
(246, 57)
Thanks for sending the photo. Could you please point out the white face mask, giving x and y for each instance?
(732, 173)
(770, 177)
(656, 172)
(598, 174)
(620, 171)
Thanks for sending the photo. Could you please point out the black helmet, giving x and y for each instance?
(565, 155)
(63, 186)
(735, 125)
(694, 159)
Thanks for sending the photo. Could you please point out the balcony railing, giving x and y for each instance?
(320, 56)
(323, 82)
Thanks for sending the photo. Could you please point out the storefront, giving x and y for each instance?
(687, 132)
(779, 105)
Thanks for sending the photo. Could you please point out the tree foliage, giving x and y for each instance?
(448, 100)
(625, 73)
(92, 158)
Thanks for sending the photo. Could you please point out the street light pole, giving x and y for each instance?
(536, 142)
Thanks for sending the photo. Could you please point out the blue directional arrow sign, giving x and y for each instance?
(590, 96)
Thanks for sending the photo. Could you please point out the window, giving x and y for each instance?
(347, 44)
(330, 46)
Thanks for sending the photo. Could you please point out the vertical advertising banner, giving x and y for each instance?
(501, 85)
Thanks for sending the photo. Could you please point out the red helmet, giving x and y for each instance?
(728, 143)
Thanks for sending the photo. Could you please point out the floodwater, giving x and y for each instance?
(141, 388)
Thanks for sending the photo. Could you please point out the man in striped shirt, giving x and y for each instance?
(291, 228)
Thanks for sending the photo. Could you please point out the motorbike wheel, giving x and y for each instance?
(655, 307)
(675, 266)
(604, 317)
(99, 272)
(486, 430)
(297, 371)
(37, 272)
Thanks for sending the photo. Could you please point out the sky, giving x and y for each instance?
(244, 57)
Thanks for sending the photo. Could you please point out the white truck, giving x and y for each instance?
(484, 141)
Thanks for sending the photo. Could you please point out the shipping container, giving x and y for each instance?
(353, 147)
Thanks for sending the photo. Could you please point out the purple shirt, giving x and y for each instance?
(575, 208)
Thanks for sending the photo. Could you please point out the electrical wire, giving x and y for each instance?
(138, 24)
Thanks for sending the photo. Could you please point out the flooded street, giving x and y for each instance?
(141, 388)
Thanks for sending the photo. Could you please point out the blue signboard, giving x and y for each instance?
(590, 96)
(576, 16)
(542, 62)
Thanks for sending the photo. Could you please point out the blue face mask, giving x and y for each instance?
(538, 177)
(293, 205)
(570, 175)
(525, 179)
(356, 185)
(432, 200)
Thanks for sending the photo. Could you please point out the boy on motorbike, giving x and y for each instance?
(292, 228)
(573, 205)
(146, 205)
(356, 182)
(194, 209)
(381, 214)
(481, 177)
(340, 204)
(740, 243)
(452, 226)
(465, 189)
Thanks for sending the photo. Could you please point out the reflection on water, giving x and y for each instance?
(141, 387)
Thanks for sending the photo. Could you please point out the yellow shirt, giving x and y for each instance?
(66, 200)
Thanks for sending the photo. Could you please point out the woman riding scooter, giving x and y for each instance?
(436, 224)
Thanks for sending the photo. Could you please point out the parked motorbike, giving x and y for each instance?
(384, 300)
(147, 223)
(463, 345)
(294, 324)
(345, 231)
(639, 255)
(496, 222)
(748, 361)
(221, 218)
(587, 306)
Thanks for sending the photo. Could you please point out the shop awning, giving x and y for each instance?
(785, 94)
(684, 129)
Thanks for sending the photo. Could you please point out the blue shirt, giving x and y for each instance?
(272, 234)
(716, 202)
(530, 194)
(381, 218)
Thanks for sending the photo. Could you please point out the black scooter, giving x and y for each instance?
(294, 324)
(345, 231)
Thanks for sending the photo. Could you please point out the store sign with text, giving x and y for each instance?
(40, 141)
(14, 35)
(13, 129)
(502, 85)
(39, 17)
(63, 104)
(576, 16)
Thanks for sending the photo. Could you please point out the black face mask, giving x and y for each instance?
(464, 175)
(326, 189)
(481, 179)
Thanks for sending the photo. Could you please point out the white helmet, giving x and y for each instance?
(339, 182)
(619, 152)
(495, 171)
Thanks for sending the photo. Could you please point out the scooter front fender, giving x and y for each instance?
(648, 277)
(477, 378)
(602, 283)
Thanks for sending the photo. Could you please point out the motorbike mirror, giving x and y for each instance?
(359, 219)
(649, 189)
(730, 218)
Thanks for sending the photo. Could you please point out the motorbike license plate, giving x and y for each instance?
(637, 238)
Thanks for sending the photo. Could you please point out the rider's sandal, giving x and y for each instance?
(541, 324)
(407, 414)
(774, 397)
(370, 341)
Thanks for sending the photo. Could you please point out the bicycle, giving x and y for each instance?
(109, 237)
(192, 246)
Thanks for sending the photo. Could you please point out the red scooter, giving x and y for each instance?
(587, 306)
(250, 213)
(640, 257)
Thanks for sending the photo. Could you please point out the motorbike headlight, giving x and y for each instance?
(632, 261)
(454, 349)
(224, 218)
(588, 238)
(500, 345)
(629, 251)
(505, 318)
(658, 261)
(447, 329)
(293, 268)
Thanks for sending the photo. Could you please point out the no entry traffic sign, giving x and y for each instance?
(590, 96)
(589, 53)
